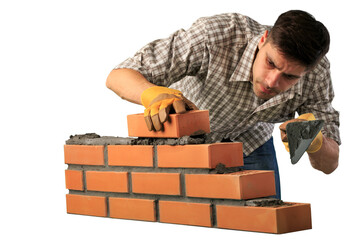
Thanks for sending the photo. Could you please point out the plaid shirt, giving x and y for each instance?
(211, 63)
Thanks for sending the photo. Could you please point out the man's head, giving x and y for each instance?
(295, 44)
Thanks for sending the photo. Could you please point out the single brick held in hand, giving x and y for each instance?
(179, 125)
(136, 156)
(281, 219)
(74, 180)
(198, 214)
(156, 183)
(107, 181)
(245, 184)
(200, 155)
(84, 154)
(86, 205)
(130, 208)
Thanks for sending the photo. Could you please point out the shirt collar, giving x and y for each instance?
(282, 97)
(243, 71)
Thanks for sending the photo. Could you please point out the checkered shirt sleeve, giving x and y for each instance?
(165, 61)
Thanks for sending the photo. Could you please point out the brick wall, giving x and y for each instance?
(175, 184)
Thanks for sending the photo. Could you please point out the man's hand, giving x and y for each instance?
(159, 101)
(323, 152)
(316, 143)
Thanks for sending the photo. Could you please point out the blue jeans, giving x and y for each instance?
(264, 158)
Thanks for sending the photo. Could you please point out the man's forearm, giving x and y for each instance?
(128, 84)
(327, 158)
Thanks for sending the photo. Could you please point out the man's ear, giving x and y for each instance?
(263, 39)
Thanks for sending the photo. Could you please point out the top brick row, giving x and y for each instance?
(191, 123)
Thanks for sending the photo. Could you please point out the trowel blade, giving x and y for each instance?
(300, 135)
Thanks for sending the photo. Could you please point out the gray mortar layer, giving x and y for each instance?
(95, 139)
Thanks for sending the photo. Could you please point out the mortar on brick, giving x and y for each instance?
(265, 202)
(108, 207)
(157, 213)
(138, 169)
(106, 158)
(95, 139)
(155, 157)
(213, 214)
(222, 169)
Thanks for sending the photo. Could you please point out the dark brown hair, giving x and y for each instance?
(300, 37)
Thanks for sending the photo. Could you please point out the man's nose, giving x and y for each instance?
(273, 78)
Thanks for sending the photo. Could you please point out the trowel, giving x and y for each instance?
(300, 135)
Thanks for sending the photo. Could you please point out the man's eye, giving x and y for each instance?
(289, 77)
(270, 63)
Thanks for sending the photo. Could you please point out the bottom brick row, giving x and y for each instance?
(281, 219)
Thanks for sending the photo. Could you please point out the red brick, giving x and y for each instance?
(74, 180)
(200, 155)
(130, 208)
(198, 214)
(107, 181)
(124, 155)
(282, 219)
(156, 183)
(84, 154)
(179, 125)
(86, 205)
(245, 184)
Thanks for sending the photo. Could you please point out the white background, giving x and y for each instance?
(55, 57)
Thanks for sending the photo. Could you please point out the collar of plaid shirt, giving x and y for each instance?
(244, 69)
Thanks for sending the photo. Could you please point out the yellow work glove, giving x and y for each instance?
(316, 143)
(158, 101)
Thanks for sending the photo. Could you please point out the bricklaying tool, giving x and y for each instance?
(300, 135)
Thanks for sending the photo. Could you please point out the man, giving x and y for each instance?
(247, 75)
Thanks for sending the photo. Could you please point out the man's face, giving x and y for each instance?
(272, 73)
